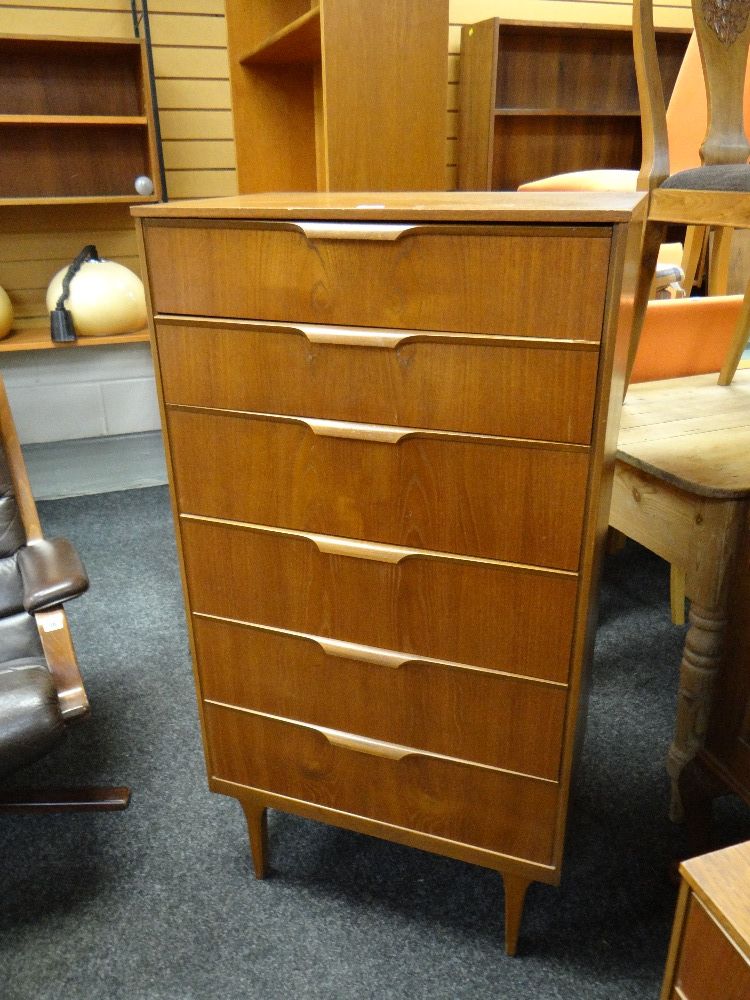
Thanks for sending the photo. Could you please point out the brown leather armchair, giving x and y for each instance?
(41, 690)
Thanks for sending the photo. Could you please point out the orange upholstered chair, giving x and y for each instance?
(683, 337)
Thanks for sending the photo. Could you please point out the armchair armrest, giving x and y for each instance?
(52, 572)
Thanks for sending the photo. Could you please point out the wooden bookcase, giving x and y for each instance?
(339, 95)
(76, 120)
(76, 127)
(543, 99)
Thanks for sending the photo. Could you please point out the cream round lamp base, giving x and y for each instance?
(105, 299)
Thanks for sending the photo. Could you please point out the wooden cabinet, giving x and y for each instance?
(389, 434)
(339, 96)
(76, 120)
(542, 99)
(709, 955)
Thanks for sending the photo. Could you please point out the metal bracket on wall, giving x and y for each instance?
(141, 19)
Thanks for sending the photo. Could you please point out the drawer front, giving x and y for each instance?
(468, 495)
(710, 966)
(472, 805)
(481, 613)
(523, 281)
(454, 382)
(476, 715)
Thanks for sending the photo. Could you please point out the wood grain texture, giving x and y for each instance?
(481, 613)
(590, 208)
(709, 966)
(534, 102)
(70, 77)
(189, 42)
(529, 147)
(345, 99)
(710, 950)
(528, 284)
(470, 495)
(479, 385)
(78, 118)
(385, 94)
(446, 708)
(715, 878)
(723, 33)
(690, 432)
(693, 532)
(476, 102)
(419, 791)
(354, 670)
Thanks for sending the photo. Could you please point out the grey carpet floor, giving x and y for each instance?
(158, 903)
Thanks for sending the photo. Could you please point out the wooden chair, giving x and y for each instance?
(685, 123)
(41, 690)
(716, 193)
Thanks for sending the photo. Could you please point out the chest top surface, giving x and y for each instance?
(429, 206)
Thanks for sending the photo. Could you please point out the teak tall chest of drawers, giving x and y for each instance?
(390, 424)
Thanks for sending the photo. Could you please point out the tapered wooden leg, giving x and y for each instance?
(695, 239)
(257, 828)
(738, 342)
(653, 237)
(515, 894)
(718, 270)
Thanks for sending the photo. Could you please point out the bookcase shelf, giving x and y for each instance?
(298, 42)
(38, 339)
(539, 99)
(76, 120)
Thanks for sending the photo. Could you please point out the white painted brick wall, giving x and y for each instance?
(83, 393)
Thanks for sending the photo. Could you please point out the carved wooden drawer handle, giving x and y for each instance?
(353, 338)
(374, 551)
(362, 744)
(382, 434)
(365, 654)
(381, 231)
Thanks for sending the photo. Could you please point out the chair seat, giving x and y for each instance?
(30, 719)
(716, 177)
(585, 180)
(691, 433)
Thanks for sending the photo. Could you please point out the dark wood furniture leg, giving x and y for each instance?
(33, 800)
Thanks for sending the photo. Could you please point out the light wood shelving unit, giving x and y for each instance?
(76, 128)
(38, 339)
(542, 99)
(337, 96)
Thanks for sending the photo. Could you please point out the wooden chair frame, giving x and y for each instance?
(723, 46)
(59, 652)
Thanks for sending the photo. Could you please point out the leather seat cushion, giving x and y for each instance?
(19, 639)
(11, 586)
(717, 177)
(30, 719)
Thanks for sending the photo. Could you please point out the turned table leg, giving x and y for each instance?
(701, 660)
(515, 893)
(257, 828)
